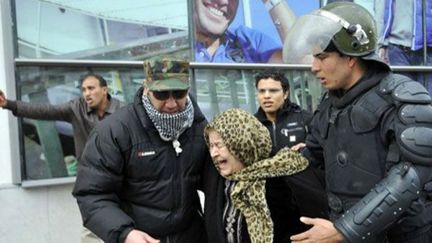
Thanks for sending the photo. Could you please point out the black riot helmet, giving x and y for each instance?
(357, 36)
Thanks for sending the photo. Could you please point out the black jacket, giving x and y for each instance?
(301, 194)
(356, 135)
(285, 215)
(291, 127)
(129, 178)
(309, 196)
(214, 186)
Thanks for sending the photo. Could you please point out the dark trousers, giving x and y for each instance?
(423, 235)
(289, 197)
(403, 56)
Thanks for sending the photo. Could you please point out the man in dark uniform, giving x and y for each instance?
(372, 131)
(299, 194)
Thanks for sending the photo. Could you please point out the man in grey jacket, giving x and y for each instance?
(83, 113)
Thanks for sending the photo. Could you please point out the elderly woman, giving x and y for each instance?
(235, 206)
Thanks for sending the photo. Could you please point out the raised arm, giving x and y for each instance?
(3, 101)
(283, 18)
(282, 15)
(40, 111)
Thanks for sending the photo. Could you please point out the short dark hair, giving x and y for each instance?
(333, 48)
(275, 75)
(102, 81)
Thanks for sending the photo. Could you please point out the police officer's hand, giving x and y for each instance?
(137, 236)
(322, 231)
(298, 147)
(3, 101)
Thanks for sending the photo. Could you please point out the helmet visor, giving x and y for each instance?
(310, 35)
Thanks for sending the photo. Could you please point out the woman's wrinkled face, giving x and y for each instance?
(225, 162)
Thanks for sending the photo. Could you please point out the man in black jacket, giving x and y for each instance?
(302, 193)
(139, 174)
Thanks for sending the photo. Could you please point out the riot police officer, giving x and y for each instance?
(372, 132)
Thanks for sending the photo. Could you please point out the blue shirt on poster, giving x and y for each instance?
(241, 45)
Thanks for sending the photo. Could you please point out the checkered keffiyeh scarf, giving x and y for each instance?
(170, 126)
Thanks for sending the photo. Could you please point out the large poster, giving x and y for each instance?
(244, 31)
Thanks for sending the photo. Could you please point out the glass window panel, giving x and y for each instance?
(118, 30)
(101, 29)
(218, 90)
(48, 145)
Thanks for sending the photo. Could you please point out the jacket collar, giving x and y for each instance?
(371, 78)
(113, 104)
(286, 108)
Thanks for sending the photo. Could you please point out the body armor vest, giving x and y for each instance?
(348, 132)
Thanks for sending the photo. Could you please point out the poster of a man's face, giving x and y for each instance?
(213, 17)
(244, 31)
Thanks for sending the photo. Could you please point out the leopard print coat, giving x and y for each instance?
(248, 140)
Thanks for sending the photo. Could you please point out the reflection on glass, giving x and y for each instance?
(101, 29)
(48, 145)
(218, 90)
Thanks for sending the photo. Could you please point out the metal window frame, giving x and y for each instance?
(7, 11)
(21, 62)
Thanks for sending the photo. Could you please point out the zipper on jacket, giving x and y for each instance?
(274, 135)
(176, 185)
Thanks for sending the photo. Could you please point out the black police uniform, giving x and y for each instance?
(375, 141)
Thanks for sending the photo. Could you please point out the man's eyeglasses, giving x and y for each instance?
(271, 91)
(164, 95)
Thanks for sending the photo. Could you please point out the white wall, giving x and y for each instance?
(39, 215)
(8, 125)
